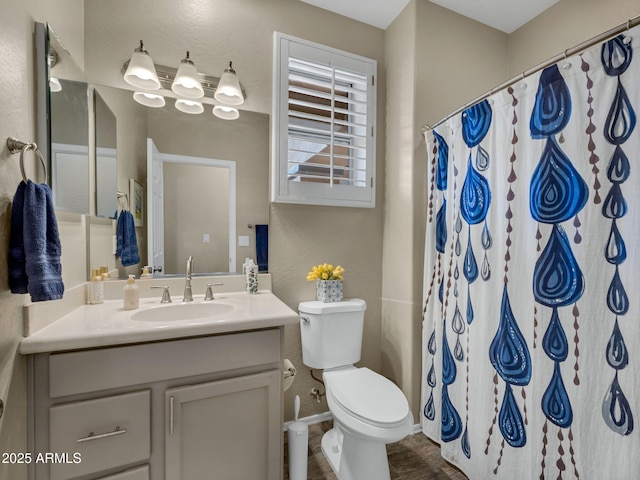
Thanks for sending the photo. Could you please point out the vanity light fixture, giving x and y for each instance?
(226, 113)
(54, 85)
(189, 106)
(54, 82)
(186, 82)
(228, 90)
(141, 72)
(149, 99)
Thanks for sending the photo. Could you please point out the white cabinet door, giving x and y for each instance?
(228, 429)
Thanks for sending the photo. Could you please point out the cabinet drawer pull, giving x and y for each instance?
(171, 415)
(91, 436)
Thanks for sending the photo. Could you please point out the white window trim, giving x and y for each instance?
(285, 191)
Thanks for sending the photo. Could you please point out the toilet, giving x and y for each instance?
(368, 410)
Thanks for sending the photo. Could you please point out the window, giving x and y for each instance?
(324, 125)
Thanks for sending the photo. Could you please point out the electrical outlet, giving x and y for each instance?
(205, 238)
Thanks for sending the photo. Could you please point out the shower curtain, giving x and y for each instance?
(531, 321)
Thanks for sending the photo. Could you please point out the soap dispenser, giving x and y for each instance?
(131, 294)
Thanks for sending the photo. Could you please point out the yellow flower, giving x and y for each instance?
(325, 271)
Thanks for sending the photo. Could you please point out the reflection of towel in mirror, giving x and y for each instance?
(126, 241)
(262, 247)
(41, 248)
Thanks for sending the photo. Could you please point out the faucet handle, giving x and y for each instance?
(166, 296)
(209, 294)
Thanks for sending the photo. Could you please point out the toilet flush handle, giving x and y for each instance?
(305, 319)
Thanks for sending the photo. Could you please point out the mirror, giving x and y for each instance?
(70, 146)
(106, 158)
(244, 141)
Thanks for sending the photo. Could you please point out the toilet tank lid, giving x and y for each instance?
(320, 308)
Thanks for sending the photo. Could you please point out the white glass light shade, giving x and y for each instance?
(54, 85)
(228, 90)
(149, 99)
(226, 113)
(141, 73)
(189, 106)
(186, 83)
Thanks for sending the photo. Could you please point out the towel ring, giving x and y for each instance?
(16, 146)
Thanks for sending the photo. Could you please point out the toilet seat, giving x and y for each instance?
(368, 396)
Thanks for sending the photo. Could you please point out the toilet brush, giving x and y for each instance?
(298, 435)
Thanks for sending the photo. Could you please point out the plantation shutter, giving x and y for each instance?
(325, 118)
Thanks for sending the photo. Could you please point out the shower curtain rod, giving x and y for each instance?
(632, 22)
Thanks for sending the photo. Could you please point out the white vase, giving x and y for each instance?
(329, 291)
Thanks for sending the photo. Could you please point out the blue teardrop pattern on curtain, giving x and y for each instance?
(509, 353)
(557, 191)
(617, 299)
(621, 119)
(510, 420)
(482, 159)
(616, 410)
(470, 265)
(555, 401)
(441, 227)
(466, 446)
(615, 251)
(475, 123)
(557, 278)
(475, 196)
(616, 56)
(615, 205)
(449, 370)
(431, 376)
(552, 107)
(431, 344)
(451, 421)
(443, 162)
(617, 353)
(554, 342)
(619, 168)
(429, 410)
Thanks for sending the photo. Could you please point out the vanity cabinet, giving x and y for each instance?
(175, 410)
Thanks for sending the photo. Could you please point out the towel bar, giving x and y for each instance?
(14, 145)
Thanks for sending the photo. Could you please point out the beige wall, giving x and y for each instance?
(196, 203)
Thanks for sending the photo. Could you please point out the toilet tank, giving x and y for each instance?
(331, 333)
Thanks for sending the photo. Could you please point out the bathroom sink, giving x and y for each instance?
(183, 311)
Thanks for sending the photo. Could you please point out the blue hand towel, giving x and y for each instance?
(41, 244)
(126, 240)
(16, 262)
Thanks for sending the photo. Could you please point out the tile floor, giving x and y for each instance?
(414, 458)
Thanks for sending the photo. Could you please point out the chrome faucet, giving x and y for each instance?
(188, 296)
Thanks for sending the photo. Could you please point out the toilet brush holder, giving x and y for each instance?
(298, 436)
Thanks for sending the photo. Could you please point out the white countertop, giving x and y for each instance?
(107, 324)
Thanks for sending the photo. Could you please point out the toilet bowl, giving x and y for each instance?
(368, 410)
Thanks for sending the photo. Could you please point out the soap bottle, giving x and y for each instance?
(104, 273)
(145, 272)
(131, 294)
(95, 288)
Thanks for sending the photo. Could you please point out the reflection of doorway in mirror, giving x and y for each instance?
(136, 200)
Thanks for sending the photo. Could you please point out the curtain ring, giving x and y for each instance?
(33, 147)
